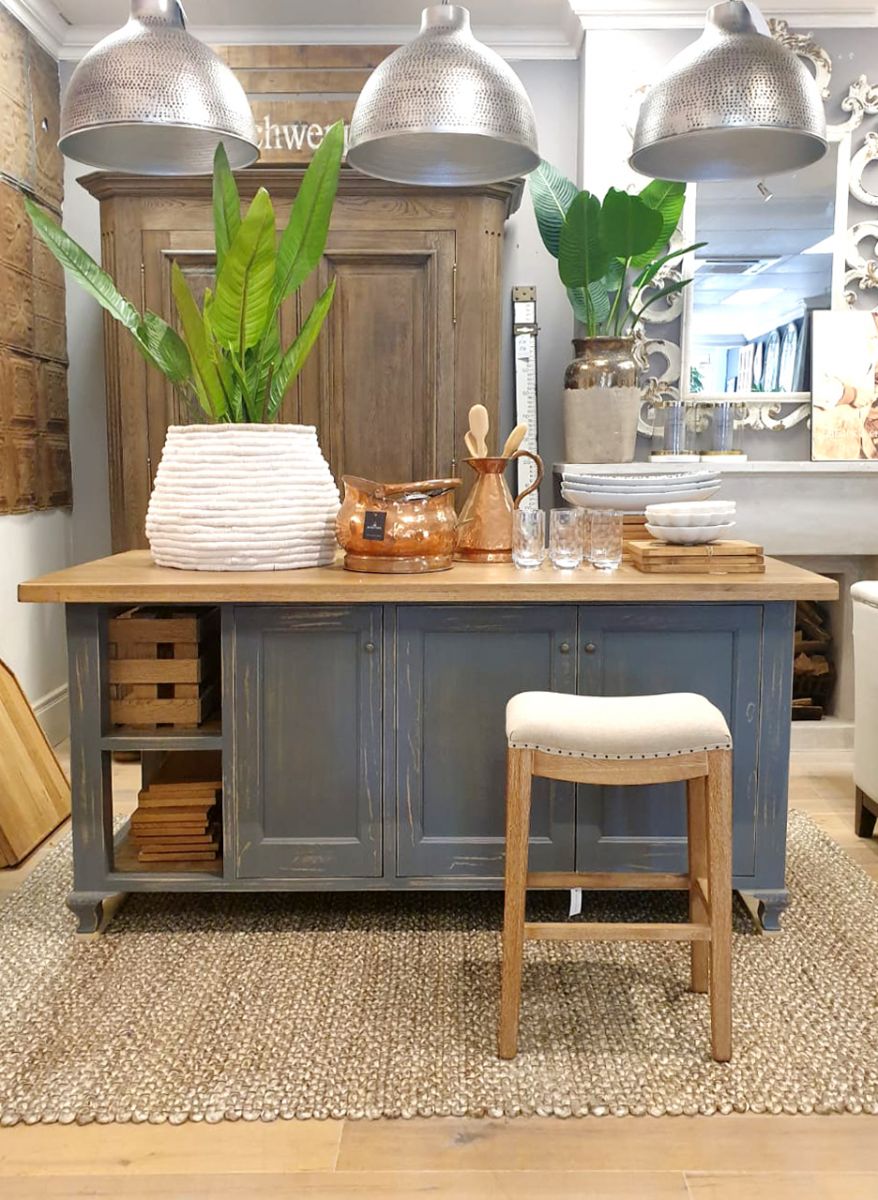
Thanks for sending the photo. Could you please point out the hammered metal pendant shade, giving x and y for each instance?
(153, 99)
(734, 105)
(444, 111)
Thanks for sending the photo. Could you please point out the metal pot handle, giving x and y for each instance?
(539, 479)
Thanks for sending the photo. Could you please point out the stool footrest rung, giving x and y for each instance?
(613, 931)
(622, 881)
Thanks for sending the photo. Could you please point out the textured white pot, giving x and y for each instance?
(242, 498)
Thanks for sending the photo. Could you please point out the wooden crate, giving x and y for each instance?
(164, 667)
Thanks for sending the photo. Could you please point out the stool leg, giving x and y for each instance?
(719, 857)
(518, 787)
(696, 804)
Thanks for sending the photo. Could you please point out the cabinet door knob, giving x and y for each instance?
(564, 647)
(369, 647)
(590, 647)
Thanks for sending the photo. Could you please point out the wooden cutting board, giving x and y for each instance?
(727, 558)
(194, 775)
(34, 792)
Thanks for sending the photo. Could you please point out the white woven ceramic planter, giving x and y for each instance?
(242, 498)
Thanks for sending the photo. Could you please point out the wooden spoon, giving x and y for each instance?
(514, 440)
(471, 444)
(479, 424)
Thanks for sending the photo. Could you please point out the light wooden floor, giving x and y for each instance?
(671, 1158)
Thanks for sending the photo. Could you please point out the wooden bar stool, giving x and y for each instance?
(624, 740)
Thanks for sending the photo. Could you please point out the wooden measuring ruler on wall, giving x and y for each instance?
(524, 338)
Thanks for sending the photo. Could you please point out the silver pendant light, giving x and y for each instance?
(153, 99)
(444, 111)
(734, 105)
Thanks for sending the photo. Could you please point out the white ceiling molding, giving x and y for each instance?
(689, 14)
(42, 19)
(512, 42)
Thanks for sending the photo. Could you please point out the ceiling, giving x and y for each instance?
(516, 28)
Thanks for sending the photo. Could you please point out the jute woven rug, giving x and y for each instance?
(266, 1006)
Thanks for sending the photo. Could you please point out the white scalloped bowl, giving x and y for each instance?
(694, 535)
(687, 514)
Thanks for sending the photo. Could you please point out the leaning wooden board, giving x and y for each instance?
(34, 792)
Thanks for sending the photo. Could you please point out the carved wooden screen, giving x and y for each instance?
(34, 452)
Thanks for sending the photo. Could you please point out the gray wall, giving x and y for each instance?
(554, 89)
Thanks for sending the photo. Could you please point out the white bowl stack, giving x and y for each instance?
(630, 493)
(691, 524)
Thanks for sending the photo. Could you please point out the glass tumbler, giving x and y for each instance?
(606, 540)
(528, 537)
(565, 538)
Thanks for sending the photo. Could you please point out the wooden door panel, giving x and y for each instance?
(193, 251)
(713, 650)
(308, 746)
(456, 668)
(380, 385)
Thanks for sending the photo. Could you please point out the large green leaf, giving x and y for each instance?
(582, 252)
(164, 347)
(90, 277)
(226, 205)
(629, 225)
(649, 272)
(594, 310)
(242, 303)
(552, 194)
(667, 198)
(304, 239)
(294, 358)
(205, 370)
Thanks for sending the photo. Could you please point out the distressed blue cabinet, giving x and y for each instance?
(456, 667)
(626, 650)
(307, 743)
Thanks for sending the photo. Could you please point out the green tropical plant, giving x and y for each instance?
(610, 252)
(228, 358)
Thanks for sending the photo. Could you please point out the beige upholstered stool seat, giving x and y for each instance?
(615, 727)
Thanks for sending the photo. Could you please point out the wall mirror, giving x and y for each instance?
(774, 255)
(768, 263)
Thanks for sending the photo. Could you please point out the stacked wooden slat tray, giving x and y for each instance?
(716, 558)
(633, 528)
(164, 667)
(177, 819)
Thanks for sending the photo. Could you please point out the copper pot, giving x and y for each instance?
(397, 528)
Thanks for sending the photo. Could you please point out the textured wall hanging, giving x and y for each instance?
(34, 453)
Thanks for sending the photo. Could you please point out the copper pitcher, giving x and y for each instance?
(484, 532)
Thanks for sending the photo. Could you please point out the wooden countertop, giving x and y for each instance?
(133, 578)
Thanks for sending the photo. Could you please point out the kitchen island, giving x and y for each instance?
(361, 724)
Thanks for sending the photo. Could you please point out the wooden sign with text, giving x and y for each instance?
(297, 92)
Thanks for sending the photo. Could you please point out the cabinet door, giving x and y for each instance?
(380, 383)
(712, 649)
(307, 742)
(456, 669)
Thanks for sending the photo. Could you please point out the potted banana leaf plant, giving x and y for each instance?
(613, 258)
(238, 490)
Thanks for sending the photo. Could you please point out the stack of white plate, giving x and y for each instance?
(691, 524)
(632, 493)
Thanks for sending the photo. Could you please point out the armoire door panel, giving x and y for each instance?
(380, 385)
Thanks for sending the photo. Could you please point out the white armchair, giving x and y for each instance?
(865, 605)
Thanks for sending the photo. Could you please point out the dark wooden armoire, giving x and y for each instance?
(412, 340)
